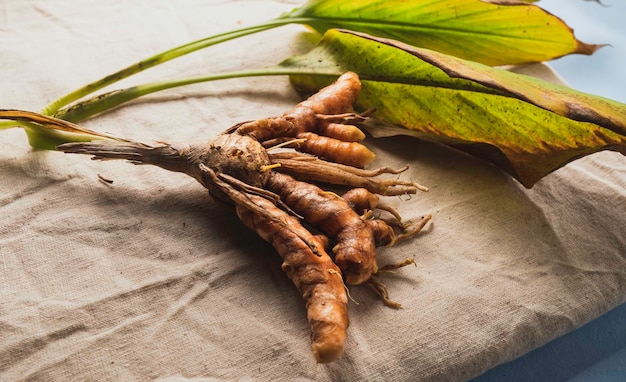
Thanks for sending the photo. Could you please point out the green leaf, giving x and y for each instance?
(559, 99)
(489, 31)
(494, 32)
(502, 117)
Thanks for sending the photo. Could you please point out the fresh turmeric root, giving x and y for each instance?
(355, 251)
(314, 274)
(269, 190)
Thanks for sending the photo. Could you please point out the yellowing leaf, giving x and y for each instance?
(502, 117)
(492, 32)
(559, 99)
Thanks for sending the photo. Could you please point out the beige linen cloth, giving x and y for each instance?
(148, 278)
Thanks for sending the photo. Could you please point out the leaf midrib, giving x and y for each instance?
(377, 24)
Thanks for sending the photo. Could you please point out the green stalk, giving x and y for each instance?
(42, 138)
(47, 136)
(162, 57)
(107, 101)
(10, 124)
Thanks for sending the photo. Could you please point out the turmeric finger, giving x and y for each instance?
(334, 99)
(268, 128)
(335, 150)
(346, 133)
(361, 200)
(316, 276)
(355, 251)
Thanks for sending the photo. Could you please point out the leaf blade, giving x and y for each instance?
(513, 138)
(523, 139)
(559, 99)
(492, 33)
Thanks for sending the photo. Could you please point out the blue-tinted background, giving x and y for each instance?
(604, 72)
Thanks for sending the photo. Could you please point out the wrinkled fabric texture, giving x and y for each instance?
(148, 278)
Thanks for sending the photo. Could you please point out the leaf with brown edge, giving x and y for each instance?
(504, 118)
(556, 98)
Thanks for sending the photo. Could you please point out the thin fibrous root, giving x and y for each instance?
(277, 143)
(398, 182)
(346, 288)
(269, 167)
(303, 157)
(348, 118)
(313, 169)
(367, 215)
(411, 230)
(394, 266)
(392, 211)
(383, 293)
